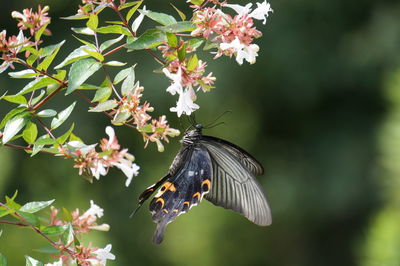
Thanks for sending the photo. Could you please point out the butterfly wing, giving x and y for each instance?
(244, 157)
(183, 190)
(234, 185)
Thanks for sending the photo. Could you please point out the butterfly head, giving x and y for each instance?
(193, 135)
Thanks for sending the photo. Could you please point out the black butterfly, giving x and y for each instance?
(214, 168)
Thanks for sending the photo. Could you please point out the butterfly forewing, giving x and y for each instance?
(244, 157)
(184, 189)
(234, 185)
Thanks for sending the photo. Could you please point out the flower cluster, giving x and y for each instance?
(9, 48)
(185, 74)
(130, 110)
(33, 21)
(82, 224)
(232, 35)
(92, 163)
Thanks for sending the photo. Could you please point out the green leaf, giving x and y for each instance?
(29, 217)
(180, 13)
(47, 250)
(182, 52)
(67, 216)
(32, 262)
(11, 114)
(122, 75)
(47, 113)
(95, 54)
(80, 71)
(68, 236)
(161, 18)
(133, 10)
(54, 230)
(129, 81)
(36, 84)
(197, 2)
(27, 73)
(146, 129)
(172, 39)
(78, 53)
(62, 116)
(35, 206)
(30, 132)
(109, 43)
(45, 140)
(13, 126)
(114, 63)
(195, 43)
(31, 59)
(38, 98)
(121, 118)
(118, 29)
(193, 62)
(104, 106)
(15, 99)
(84, 31)
(181, 26)
(129, 4)
(36, 149)
(76, 17)
(62, 139)
(102, 94)
(151, 38)
(3, 260)
(39, 33)
(93, 22)
(49, 58)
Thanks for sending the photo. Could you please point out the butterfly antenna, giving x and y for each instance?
(212, 124)
(215, 125)
(135, 211)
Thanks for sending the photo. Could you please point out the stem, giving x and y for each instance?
(13, 223)
(48, 97)
(114, 50)
(45, 127)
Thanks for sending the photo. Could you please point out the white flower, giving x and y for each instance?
(260, 13)
(176, 86)
(57, 263)
(185, 104)
(102, 227)
(249, 53)
(98, 170)
(136, 23)
(104, 254)
(94, 211)
(128, 168)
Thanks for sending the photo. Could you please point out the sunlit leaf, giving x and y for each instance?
(30, 133)
(80, 71)
(129, 81)
(36, 84)
(104, 106)
(115, 63)
(49, 58)
(68, 236)
(93, 22)
(62, 116)
(151, 38)
(39, 33)
(181, 26)
(27, 73)
(13, 126)
(15, 99)
(102, 94)
(54, 230)
(32, 262)
(118, 29)
(109, 43)
(47, 113)
(180, 13)
(78, 53)
(84, 31)
(133, 10)
(161, 18)
(95, 54)
(35, 206)
(45, 140)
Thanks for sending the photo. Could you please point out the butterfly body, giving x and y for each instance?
(212, 168)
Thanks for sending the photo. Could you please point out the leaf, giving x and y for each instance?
(3, 260)
(66, 215)
(118, 29)
(93, 22)
(29, 218)
(35, 206)
(133, 10)
(54, 230)
(30, 132)
(78, 53)
(121, 118)
(47, 249)
(197, 2)
(193, 62)
(27, 73)
(62, 139)
(104, 106)
(109, 43)
(126, 5)
(80, 71)
(85, 31)
(102, 94)
(115, 63)
(181, 26)
(129, 81)
(95, 54)
(36, 84)
(32, 262)
(11, 114)
(151, 38)
(172, 39)
(47, 113)
(68, 236)
(45, 140)
(122, 75)
(36, 149)
(195, 43)
(49, 59)
(13, 126)
(38, 98)
(62, 116)
(39, 33)
(76, 17)
(15, 99)
(180, 13)
(161, 18)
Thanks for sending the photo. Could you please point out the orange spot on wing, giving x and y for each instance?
(162, 202)
(207, 183)
(197, 194)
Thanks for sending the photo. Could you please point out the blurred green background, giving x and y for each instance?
(320, 110)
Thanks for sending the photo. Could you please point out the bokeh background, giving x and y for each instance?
(320, 109)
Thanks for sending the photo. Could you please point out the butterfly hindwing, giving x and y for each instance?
(182, 190)
(235, 186)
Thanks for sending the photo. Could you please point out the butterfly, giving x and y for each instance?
(213, 168)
